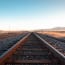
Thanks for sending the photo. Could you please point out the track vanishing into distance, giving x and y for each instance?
(33, 49)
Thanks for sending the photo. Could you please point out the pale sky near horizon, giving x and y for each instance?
(31, 14)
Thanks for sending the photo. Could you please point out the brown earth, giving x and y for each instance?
(9, 34)
(54, 33)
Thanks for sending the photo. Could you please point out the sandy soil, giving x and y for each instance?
(9, 34)
(55, 34)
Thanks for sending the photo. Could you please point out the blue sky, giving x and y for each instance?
(31, 14)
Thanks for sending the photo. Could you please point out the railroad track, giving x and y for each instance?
(33, 49)
(56, 43)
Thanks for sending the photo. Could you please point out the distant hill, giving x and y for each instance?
(1, 31)
(58, 29)
(53, 29)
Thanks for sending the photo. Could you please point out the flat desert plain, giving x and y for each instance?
(57, 34)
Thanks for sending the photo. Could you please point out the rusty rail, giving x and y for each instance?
(52, 49)
(13, 49)
(10, 51)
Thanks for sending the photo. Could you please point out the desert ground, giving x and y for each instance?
(9, 34)
(57, 34)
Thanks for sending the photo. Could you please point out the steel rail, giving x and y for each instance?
(11, 50)
(51, 48)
